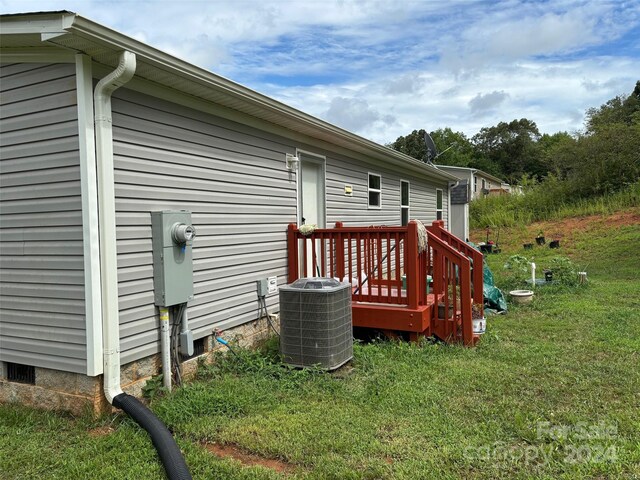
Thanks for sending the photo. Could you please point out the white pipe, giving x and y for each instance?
(533, 274)
(107, 220)
(165, 347)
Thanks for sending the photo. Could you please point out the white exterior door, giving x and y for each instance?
(311, 201)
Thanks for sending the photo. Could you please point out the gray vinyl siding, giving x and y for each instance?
(42, 311)
(233, 180)
(355, 210)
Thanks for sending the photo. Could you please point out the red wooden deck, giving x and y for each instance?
(376, 259)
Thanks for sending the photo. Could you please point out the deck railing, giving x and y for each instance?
(476, 257)
(451, 271)
(378, 260)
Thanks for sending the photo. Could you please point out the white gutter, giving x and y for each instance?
(107, 206)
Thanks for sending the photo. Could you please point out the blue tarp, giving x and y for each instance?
(493, 296)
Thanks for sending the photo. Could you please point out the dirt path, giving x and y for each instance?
(249, 459)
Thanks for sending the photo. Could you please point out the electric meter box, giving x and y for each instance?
(172, 242)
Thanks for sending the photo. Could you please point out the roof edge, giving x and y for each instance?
(75, 24)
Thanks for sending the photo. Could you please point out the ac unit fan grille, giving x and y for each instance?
(315, 326)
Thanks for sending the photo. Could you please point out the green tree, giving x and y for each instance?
(455, 148)
(412, 145)
(512, 147)
(557, 152)
(623, 109)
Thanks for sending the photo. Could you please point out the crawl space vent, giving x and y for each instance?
(21, 373)
(198, 349)
(315, 323)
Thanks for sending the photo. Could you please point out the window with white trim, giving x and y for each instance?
(375, 190)
(404, 202)
(439, 215)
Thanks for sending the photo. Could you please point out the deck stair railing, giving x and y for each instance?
(476, 257)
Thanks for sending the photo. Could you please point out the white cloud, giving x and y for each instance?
(355, 114)
(408, 83)
(481, 104)
(383, 68)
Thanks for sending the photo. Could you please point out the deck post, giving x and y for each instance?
(465, 294)
(411, 266)
(292, 253)
(436, 227)
(340, 252)
(438, 287)
(478, 278)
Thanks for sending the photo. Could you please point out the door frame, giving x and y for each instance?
(321, 160)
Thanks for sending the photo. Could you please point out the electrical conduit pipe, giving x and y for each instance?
(165, 347)
(163, 441)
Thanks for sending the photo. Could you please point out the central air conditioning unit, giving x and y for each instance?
(315, 323)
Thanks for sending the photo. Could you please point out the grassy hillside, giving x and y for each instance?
(550, 392)
(549, 200)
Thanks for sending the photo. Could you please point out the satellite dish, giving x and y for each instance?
(432, 151)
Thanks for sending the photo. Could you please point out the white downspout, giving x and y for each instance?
(107, 221)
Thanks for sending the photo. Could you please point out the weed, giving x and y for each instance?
(153, 388)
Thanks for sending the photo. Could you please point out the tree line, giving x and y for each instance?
(602, 159)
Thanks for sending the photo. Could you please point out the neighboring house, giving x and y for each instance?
(76, 229)
(481, 183)
(460, 197)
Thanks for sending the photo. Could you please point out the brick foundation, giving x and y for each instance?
(80, 394)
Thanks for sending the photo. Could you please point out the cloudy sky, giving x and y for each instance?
(382, 68)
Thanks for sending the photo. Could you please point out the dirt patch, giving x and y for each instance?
(616, 219)
(248, 459)
(101, 431)
(566, 227)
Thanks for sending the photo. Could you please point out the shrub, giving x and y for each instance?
(518, 270)
(564, 271)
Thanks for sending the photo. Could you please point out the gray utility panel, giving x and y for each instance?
(172, 257)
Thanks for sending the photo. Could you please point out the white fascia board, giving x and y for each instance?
(90, 232)
(181, 98)
(489, 176)
(43, 23)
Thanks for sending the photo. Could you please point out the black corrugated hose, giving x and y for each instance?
(168, 451)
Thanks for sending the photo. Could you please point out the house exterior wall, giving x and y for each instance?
(42, 307)
(233, 179)
(230, 176)
(483, 190)
(355, 210)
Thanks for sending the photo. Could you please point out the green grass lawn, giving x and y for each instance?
(552, 391)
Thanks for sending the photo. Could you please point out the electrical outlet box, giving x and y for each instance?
(172, 241)
(186, 343)
(262, 287)
(272, 285)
